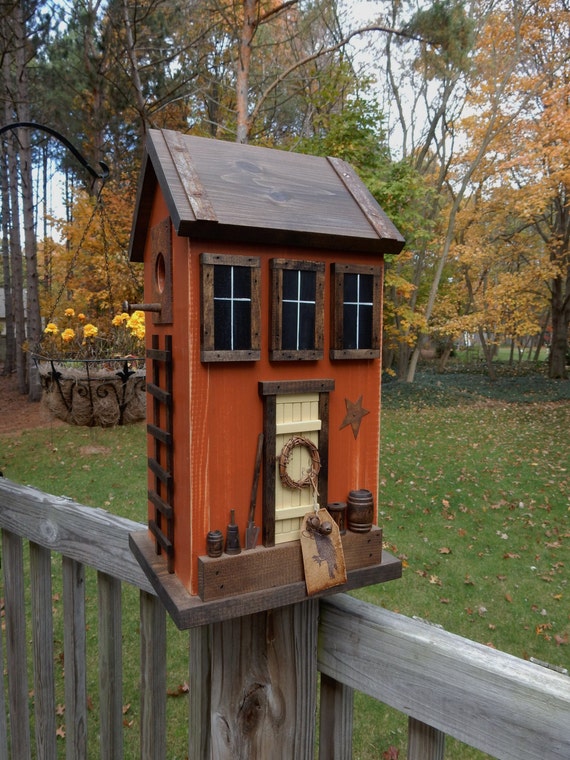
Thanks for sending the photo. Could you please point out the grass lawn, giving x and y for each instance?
(475, 499)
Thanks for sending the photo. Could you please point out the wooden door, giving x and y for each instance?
(296, 415)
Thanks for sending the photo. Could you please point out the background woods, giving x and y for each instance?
(454, 113)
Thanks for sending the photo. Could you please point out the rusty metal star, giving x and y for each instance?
(354, 414)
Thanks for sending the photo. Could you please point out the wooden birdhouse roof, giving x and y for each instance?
(226, 191)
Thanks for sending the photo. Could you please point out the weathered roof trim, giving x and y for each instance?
(143, 207)
(380, 223)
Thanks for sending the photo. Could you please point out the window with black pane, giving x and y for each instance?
(356, 301)
(230, 308)
(297, 309)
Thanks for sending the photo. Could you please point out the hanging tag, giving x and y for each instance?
(323, 557)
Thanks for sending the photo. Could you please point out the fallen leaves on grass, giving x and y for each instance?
(179, 691)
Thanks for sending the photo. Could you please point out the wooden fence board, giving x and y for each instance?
(42, 638)
(199, 678)
(472, 692)
(110, 667)
(3, 724)
(424, 742)
(153, 678)
(336, 718)
(75, 658)
(16, 662)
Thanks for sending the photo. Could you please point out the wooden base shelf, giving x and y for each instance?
(277, 586)
(272, 568)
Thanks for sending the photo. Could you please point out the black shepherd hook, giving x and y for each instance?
(54, 133)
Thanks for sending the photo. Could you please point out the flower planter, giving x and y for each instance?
(100, 393)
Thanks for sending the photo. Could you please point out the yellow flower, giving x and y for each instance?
(90, 331)
(120, 319)
(69, 312)
(68, 335)
(51, 329)
(136, 324)
(81, 317)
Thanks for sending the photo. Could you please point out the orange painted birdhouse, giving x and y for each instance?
(263, 283)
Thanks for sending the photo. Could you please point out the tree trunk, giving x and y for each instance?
(541, 337)
(444, 358)
(135, 75)
(16, 265)
(244, 61)
(487, 350)
(560, 322)
(10, 338)
(33, 318)
(403, 360)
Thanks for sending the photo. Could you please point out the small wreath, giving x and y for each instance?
(310, 478)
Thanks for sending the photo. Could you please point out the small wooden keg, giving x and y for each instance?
(215, 543)
(360, 510)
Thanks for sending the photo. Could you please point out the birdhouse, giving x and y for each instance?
(263, 286)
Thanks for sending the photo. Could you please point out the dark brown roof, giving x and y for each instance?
(226, 191)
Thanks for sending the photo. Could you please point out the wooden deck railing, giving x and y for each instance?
(504, 706)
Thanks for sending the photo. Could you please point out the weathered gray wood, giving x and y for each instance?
(42, 637)
(16, 663)
(91, 536)
(75, 657)
(110, 667)
(507, 707)
(487, 699)
(199, 678)
(336, 716)
(3, 725)
(153, 678)
(424, 742)
(263, 701)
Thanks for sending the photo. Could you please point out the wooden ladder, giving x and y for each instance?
(161, 464)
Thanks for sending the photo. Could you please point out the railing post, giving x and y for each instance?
(336, 716)
(263, 680)
(424, 742)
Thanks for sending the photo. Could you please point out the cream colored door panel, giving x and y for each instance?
(295, 415)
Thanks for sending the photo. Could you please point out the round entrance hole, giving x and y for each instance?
(160, 273)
